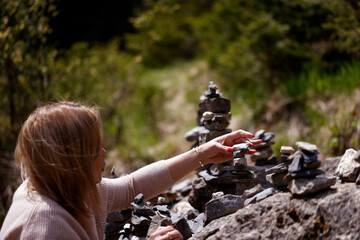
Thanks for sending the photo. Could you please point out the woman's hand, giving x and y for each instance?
(219, 149)
(166, 233)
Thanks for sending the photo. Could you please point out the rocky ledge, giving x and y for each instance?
(330, 214)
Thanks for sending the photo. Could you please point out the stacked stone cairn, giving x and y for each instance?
(264, 154)
(304, 169)
(231, 177)
(213, 117)
(275, 175)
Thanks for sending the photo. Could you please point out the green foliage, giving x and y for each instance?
(253, 45)
(316, 81)
(165, 31)
(24, 60)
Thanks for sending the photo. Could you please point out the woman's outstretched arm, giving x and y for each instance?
(215, 151)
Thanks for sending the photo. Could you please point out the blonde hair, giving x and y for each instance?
(56, 149)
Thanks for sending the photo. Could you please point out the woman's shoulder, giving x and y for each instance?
(35, 215)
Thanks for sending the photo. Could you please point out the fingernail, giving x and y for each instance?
(229, 149)
(171, 226)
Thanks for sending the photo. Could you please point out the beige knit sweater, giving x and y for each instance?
(38, 217)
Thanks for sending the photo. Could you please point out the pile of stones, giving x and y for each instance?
(142, 219)
(212, 118)
(264, 154)
(304, 169)
(231, 177)
(275, 175)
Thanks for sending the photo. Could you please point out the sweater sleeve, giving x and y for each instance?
(150, 180)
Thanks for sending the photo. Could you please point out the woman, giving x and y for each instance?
(63, 196)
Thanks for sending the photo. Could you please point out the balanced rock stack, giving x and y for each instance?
(275, 175)
(213, 117)
(264, 153)
(303, 171)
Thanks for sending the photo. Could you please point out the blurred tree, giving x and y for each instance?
(251, 43)
(165, 30)
(24, 59)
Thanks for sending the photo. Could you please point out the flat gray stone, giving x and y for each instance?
(240, 149)
(260, 196)
(306, 146)
(259, 134)
(287, 150)
(307, 173)
(193, 134)
(277, 180)
(253, 191)
(222, 206)
(348, 169)
(280, 168)
(304, 186)
(268, 136)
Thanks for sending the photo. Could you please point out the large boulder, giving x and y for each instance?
(330, 214)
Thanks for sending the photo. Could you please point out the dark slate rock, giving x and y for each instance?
(264, 162)
(217, 124)
(115, 217)
(181, 224)
(307, 173)
(263, 145)
(296, 164)
(268, 136)
(197, 224)
(139, 198)
(201, 193)
(308, 186)
(259, 134)
(112, 228)
(277, 180)
(222, 206)
(140, 220)
(216, 105)
(227, 177)
(240, 162)
(309, 157)
(358, 180)
(193, 134)
(208, 135)
(240, 150)
(312, 165)
(260, 196)
(192, 214)
(280, 168)
(284, 158)
(143, 209)
(162, 209)
(183, 187)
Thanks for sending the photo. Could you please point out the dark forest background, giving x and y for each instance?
(290, 67)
